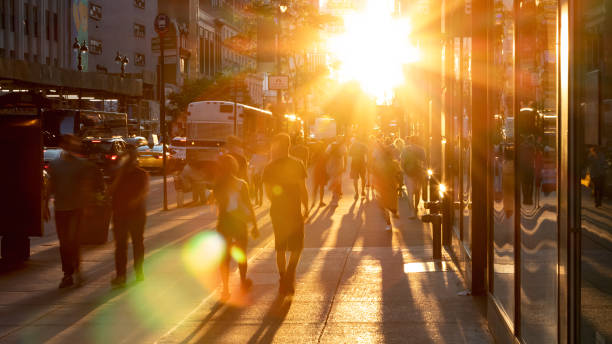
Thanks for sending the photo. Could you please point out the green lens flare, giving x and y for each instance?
(277, 190)
(238, 254)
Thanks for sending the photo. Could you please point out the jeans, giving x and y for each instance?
(68, 223)
(132, 225)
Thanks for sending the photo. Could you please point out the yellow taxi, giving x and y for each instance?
(152, 158)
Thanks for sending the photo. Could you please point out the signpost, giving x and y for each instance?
(278, 82)
(162, 26)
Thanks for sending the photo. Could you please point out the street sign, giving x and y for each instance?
(169, 43)
(278, 82)
(162, 24)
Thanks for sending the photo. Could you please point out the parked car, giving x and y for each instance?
(137, 141)
(152, 158)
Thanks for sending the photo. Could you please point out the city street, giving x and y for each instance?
(355, 283)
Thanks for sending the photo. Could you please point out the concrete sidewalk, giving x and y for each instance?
(356, 283)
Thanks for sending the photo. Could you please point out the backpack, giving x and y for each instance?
(410, 161)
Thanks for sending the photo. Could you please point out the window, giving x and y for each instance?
(139, 30)
(139, 3)
(2, 14)
(139, 59)
(26, 19)
(48, 25)
(35, 19)
(95, 47)
(12, 15)
(95, 12)
(55, 27)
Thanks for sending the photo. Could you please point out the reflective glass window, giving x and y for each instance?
(594, 149)
(536, 141)
(502, 153)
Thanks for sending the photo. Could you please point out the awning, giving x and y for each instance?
(36, 73)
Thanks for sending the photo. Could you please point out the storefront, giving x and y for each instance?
(526, 131)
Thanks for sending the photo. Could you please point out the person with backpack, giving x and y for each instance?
(235, 211)
(412, 160)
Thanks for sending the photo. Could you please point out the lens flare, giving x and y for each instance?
(374, 49)
(238, 254)
(204, 252)
(277, 190)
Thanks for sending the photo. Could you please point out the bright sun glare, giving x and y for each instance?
(373, 49)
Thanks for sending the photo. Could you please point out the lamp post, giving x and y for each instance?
(80, 49)
(123, 61)
(235, 68)
(282, 8)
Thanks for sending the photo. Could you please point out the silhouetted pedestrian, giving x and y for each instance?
(285, 184)
(73, 181)
(358, 153)
(129, 192)
(234, 213)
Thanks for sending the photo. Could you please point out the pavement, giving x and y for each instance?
(356, 283)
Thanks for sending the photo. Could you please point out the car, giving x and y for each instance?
(49, 154)
(179, 146)
(105, 152)
(152, 158)
(137, 141)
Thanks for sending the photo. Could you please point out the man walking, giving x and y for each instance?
(285, 184)
(358, 153)
(129, 193)
(412, 160)
(72, 182)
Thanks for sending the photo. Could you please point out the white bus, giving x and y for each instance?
(209, 123)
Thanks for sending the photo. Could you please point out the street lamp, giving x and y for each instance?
(283, 7)
(123, 61)
(79, 49)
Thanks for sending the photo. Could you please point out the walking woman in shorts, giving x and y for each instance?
(234, 212)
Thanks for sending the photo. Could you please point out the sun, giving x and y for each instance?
(373, 49)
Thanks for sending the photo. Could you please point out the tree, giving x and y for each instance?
(349, 105)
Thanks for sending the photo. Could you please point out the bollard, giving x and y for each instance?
(435, 218)
(446, 224)
(436, 226)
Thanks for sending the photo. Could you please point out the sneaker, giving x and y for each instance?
(118, 282)
(388, 228)
(246, 284)
(356, 196)
(66, 282)
(322, 204)
(363, 194)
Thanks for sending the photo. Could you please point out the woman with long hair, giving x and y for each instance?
(234, 212)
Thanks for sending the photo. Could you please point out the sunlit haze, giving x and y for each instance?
(373, 49)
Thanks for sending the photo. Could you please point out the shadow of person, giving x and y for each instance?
(272, 321)
(216, 308)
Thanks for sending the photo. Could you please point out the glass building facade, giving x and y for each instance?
(525, 125)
